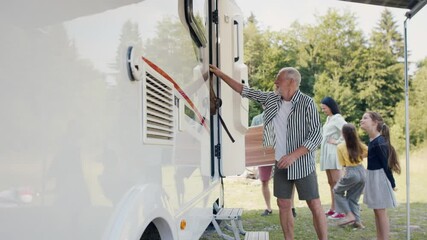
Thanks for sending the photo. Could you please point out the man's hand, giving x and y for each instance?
(235, 85)
(285, 161)
(214, 69)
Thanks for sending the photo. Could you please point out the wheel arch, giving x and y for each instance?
(140, 207)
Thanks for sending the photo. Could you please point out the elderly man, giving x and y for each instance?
(296, 126)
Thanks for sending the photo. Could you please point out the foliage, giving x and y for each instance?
(386, 35)
(417, 112)
(383, 87)
(336, 59)
(255, 44)
(266, 52)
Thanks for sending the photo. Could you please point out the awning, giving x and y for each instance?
(408, 4)
(413, 5)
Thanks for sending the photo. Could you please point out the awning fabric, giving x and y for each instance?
(408, 4)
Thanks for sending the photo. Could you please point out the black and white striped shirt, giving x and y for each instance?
(304, 127)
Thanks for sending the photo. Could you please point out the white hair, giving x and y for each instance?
(292, 73)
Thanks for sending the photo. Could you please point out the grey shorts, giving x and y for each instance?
(307, 187)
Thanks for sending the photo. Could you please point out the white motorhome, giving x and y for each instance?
(105, 126)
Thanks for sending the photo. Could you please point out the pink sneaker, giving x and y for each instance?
(330, 212)
(337, 216)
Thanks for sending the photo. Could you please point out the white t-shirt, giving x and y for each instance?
(280, 122)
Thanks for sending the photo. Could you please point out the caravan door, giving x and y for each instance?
(234, 110)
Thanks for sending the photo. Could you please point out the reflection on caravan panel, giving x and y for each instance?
(72, 159)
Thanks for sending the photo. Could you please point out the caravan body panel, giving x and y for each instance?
(105, 120)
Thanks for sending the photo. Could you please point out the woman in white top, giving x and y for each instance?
(332, 136)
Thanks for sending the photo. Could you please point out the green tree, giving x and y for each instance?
(255, 43)
(417, 112)
(382, 85)
(386, 35)
(300, 40)
(331, 52)
(266, 53)
(276, 56)
(335, 59)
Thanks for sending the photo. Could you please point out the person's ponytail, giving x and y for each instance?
(393, 161)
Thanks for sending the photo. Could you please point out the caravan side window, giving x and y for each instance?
(196, 17)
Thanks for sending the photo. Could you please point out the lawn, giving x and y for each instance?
(241, 192)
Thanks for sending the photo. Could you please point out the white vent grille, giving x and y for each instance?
(158, 109)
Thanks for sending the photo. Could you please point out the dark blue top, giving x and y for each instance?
(378, 157)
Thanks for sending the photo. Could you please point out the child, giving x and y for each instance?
(350, 186)
(382, 161)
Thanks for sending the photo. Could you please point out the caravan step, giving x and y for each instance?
(233, 222)
(256, 236)
(229, 213)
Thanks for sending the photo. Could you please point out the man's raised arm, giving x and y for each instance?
(235, 85)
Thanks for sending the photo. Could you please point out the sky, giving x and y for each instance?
(279, 14)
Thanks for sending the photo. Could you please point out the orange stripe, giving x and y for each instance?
(179, 89)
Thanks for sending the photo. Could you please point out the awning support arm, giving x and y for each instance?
(416, 8)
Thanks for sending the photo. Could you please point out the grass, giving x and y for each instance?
(245, 193)
(304, 228)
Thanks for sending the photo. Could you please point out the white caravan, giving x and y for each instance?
(105, 126)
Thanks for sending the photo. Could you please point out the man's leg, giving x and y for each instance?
(319, 218)
(286, 218)
(308, 190)
(264, 176)
(283, 193)
(294, 212)
(266, 194)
